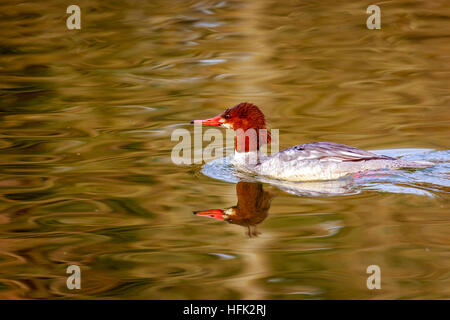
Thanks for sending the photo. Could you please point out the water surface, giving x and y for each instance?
(86, 177)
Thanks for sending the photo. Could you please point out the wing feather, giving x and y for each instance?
(328, 151)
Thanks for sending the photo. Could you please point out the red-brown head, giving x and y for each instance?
(242, 117)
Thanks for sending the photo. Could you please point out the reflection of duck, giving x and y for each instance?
(252, 207)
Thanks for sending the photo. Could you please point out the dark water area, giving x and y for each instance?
(87, 179)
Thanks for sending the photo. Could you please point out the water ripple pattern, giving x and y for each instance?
(86, 177)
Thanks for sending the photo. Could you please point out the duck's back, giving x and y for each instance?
(327, 161)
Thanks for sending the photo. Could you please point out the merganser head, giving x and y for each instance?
(243, 118)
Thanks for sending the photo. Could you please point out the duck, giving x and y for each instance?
(251, 209)
(314, 161)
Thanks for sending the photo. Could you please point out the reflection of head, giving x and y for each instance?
(252, 207)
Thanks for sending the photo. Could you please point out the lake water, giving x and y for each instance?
(86, 176)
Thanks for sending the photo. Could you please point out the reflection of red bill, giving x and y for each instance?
(213, 213)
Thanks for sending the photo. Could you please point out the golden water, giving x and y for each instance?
(86, 176)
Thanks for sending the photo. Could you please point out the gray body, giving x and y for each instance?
(319, 161)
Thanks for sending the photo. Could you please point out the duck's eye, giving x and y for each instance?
(227, 116)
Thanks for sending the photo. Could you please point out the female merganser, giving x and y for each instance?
(303, 162)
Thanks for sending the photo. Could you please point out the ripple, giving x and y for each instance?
(29, 159)
(86, 176)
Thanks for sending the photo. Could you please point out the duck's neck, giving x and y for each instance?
(251, 140)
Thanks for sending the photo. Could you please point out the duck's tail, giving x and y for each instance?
(414, 164)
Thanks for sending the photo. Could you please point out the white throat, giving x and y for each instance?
(247, 159)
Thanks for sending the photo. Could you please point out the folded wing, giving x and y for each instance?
(328, 151)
